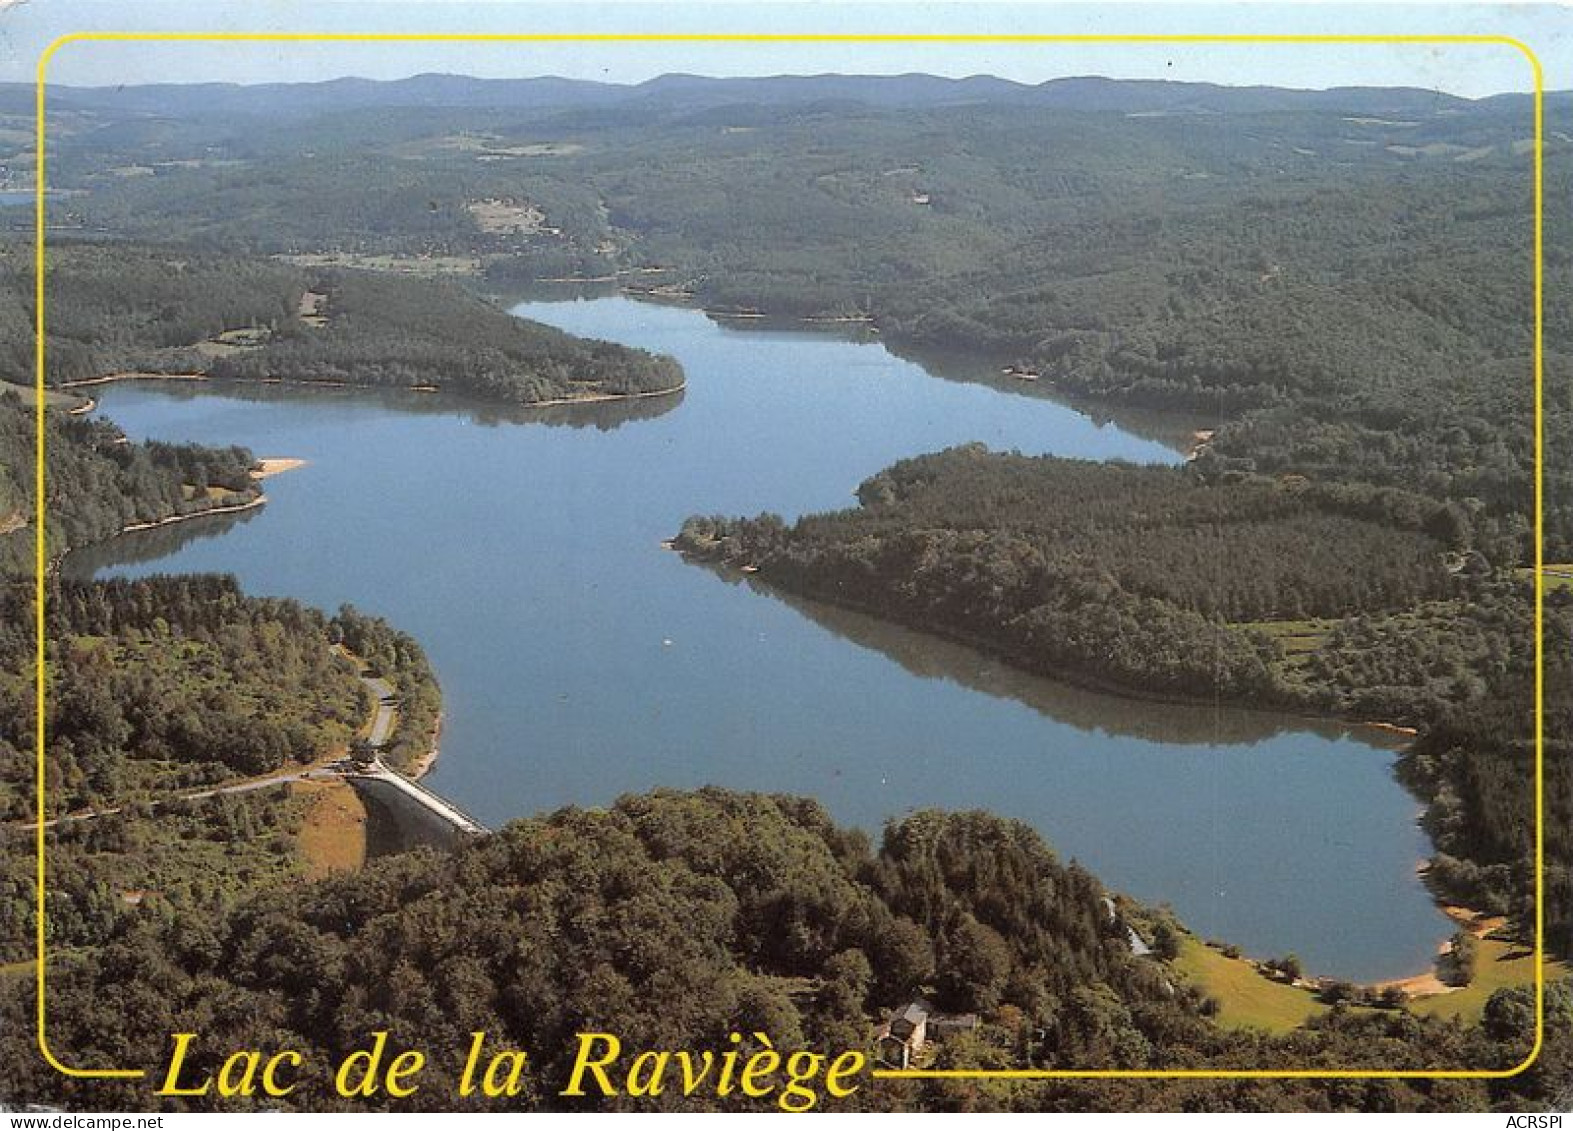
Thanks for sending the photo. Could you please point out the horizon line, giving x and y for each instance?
(633, 85)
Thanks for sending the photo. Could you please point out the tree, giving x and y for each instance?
(975, 964)
(1165, 942)
(1289, 966)
(1463, 957)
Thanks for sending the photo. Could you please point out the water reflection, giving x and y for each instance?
(141, 546)
(1095, 712)
(602, 416)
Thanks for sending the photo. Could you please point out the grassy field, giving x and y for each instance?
(1557, 576)
(1298, 638)
(1502, 964)
(1247, 1000)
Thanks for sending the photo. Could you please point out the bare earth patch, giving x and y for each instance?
(333, 833)
(490, 147)
(507, 218)
(427, 265)
(310, 310)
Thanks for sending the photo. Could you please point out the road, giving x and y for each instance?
(382, 719)
(250, 785)
(377, 735)
(382, 722)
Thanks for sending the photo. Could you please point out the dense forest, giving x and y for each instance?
(673, 919)
(169, 683)
(1474, 765)
(400, 333)
(98, 483)
(120, 308)
(198, 856)
(1144, 577)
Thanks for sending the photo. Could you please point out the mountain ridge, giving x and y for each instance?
(1088, 93)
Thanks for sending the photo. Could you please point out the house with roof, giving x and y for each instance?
(912, 1027)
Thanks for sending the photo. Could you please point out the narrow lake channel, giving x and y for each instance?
(580, 660)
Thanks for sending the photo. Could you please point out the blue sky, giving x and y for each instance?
(26, 26)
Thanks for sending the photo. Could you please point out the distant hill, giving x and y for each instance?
(1087, 93)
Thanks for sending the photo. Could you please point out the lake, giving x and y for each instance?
(580, 660)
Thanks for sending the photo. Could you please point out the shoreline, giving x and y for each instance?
(231, 508)
(637, 293)
(602, 398)
(1189, 438)
(1192, 443)
(1071, 678)
(424, 765)
(1429, 984)
(204, 378)
(132, 375)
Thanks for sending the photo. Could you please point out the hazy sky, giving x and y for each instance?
(27, 26)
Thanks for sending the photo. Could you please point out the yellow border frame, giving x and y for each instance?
(420, 37)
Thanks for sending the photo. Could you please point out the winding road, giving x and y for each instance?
(382, 718)
(380, 730)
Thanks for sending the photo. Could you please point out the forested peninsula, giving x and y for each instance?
(99, 484)
(1145, 578)
(1366, 603)
(117, 310)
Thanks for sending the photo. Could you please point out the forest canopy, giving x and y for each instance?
(117, 308)
(673, 919)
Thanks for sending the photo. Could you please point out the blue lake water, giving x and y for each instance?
(580, 660)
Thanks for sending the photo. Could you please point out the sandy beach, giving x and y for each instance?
(275, 466)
